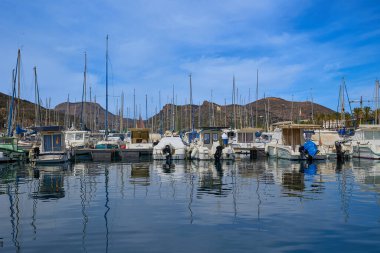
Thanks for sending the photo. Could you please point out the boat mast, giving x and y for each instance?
(121, 111)
(18, 85)
(377, 84)
(233, 101)
(146, 110)
(134, 108)
(173, 124)
(106, 123)
(191, 106)
(83, 110)
(37, 99)
(67, 116)
(257, 95)
(10, 114)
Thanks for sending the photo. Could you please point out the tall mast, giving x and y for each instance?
(37, 100)
(18, 85)
(257, 95)
(83, 111)
(91, 112)
(159, 106)
(10, 114)
(146, 109)
(134, 108)
(377, 84)
(121, 111)
(106, 123)
(67, 116)
(173, 124)
(342, 110)
(191, 106)
(233, 100)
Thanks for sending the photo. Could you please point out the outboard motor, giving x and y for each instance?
(339, 152)
(167, 151)
(36, 152)
(218, 153)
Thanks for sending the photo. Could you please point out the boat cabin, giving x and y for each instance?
(139, 135)
(368, 133)
(52, 139)
(77, 138)
(209, 136)
(295, 134)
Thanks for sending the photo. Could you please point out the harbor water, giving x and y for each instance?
(243, 206)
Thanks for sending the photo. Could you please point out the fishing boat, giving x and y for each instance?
(52, 148)
(209, 146)
(170, 147)
(293, 142)
(366, 142)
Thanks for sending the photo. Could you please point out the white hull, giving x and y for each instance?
(176, 147)
(366, 152)
(286, 152)
(51, 158)
(203, 153)
(174, 157)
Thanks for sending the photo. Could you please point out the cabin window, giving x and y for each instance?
(206, 138)
(47, 143)
(230, 134)
(240, 137)
(215, 137)
(372, 135)
(52, 142)
(69, 137)
(78, 137)
(57, 142)
(6, 141)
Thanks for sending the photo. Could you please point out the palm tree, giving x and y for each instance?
(357, 114)
(367, 114)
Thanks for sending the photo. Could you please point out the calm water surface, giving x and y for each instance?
(258, 206)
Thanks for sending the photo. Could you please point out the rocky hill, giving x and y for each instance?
(269, 110)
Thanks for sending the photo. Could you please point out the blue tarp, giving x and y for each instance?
(311, 148)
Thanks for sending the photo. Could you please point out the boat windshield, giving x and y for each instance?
(372, 135)
(6, 141)
(74, 136)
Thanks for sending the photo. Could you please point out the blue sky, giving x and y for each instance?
(301, 48)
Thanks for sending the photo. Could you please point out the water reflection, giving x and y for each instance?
(140, 174)
(211, 178)
(51, 181)
(133, 206)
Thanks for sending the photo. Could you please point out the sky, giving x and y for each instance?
(301, 49)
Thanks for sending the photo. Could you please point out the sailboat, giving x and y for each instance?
(107, 149)
(9, 151)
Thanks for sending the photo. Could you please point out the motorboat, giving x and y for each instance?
(52, 148)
